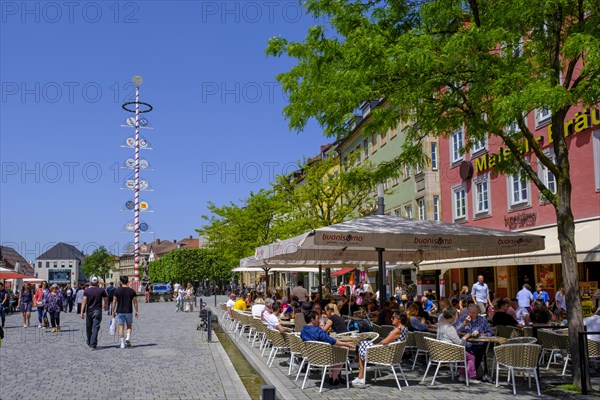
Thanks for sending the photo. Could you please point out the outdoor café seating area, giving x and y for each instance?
(515, 360)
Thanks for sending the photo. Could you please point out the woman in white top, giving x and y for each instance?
(189, 297)
(446, 332)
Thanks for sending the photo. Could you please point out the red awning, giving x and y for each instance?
(343, 271)
(13, 275)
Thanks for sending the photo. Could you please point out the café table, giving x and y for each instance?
(551, 325)
(354, 338)
(288, 323)
(487, 340)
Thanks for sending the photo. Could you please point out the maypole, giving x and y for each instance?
(137, 80)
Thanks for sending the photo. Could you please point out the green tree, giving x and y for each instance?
(99, 263)
(442, 65)
(188, 265)
(326, 193)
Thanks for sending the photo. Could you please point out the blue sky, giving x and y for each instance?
(218, 126)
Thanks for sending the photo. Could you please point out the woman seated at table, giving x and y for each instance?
(334, 320)
(446, 332)
(398, 334)
(417, 322)
(540, 314)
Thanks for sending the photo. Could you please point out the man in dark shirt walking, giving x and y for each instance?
(110, 291)
(94, 299)
(124, 302)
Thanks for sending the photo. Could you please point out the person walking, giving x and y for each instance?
(39, 299)
(189, 298)
(79, 297)
(110, 293)
(53, 306)
(481, 295)
(69, 297)
(94, 299)
(124, 302)
(148, 289)
(25, 303)
(3, 303)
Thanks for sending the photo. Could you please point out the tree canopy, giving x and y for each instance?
(188, 265)
(445, 65)
(99, 263)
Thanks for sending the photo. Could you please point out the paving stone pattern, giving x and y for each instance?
(168, 360)
(385, 388)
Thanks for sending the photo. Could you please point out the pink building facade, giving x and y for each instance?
(473, 193)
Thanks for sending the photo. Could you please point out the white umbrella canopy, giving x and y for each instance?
(404, 240)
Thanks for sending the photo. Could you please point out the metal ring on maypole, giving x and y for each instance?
(139, 103)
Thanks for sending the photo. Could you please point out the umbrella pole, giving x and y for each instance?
(381, 278)
(266, 282)
(320, 282)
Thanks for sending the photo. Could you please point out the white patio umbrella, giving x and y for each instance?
(253, 264)
(402, 240)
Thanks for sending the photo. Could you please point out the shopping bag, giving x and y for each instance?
(111, 328)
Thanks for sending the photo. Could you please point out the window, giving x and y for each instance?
(55, 264)
(596, 149)
(457, 140)
(479, 145)
(519, 189)
(47, 264)
(385, 185)
(482, 195)
(62, 264)
(383, 138)
(406, 172)
(365, 149)
(421, 203)
(548, 177)
(459, 203)
(542, 116)
(398, 212)
(393, 133)
(395, 181)
(434, 156)
(373, 143)
(408, 211)
(436, 208)
(39, 264)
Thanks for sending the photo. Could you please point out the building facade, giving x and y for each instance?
(474, 193)
(61, 265)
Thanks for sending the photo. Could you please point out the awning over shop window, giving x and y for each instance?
(342, 271)
(587, 242)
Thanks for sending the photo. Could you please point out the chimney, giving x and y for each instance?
(157, 241)
(191, 237)
(174, 241)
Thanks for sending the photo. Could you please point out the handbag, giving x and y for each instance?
(45, 322)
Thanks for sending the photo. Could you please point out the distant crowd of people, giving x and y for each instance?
(50, 301)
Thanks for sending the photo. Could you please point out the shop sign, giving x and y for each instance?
(520, 220)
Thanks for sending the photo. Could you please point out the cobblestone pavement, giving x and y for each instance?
(168, 360)
(385, 388)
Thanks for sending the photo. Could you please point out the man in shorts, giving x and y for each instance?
(125, 300)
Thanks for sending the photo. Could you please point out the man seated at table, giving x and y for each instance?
(477, 326)
(501, 316)
(240, 305)
(230, 304)
(270, 316)
(592, 324)
(258, 307)
(521, 313)
(313, 332)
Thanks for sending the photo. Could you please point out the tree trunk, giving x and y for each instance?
(565, 224)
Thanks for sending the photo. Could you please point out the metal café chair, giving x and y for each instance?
(441, 352)
(389, 355)
(324, 355)
(421, 346)
(518, 357)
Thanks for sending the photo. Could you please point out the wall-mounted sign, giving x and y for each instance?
(521, 220)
